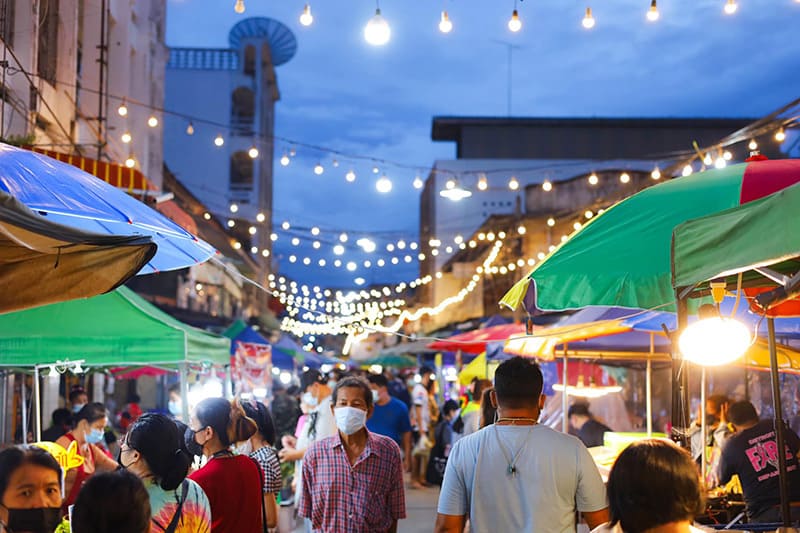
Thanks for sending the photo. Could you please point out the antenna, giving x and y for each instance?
(510, 47)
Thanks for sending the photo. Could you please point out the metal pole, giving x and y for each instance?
(776, 402)
(649, 387)
(184, 380)
(24, 410)
(3, 405)
(228, 383)
(37, 403)
(564, 394)
(703, 425)
(102, 68)
(680, 378)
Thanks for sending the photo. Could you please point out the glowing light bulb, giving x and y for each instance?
(231, 223)
(551, 222)
(253, 152)
(343, 237)
(130, 162)
(338, 249)
(687, 170)
(315, 231)
(445, 25)
(753, 145)
(418, 183)
(319, 169)
(260, 217)
(218, 140)
(306, 18)
(625, 177)
(588, 20)
(285, 160)
(720, 162)
(515, 24)
(190, 129)
(521, 230)
(780, 135)
(730, 7)
(252, 230)
(234, 208)
(152, 121)
(126, 137)
(122, 109)
(286, 225)
(593, 179)
(513, 184)
(377, 31)
(207, 216)
(451, 184)
(239, 6)
(350, 176)
(656, 174)
(707, 159)
(483, 183)
(653, 14)
(547, 186)
(383, 185)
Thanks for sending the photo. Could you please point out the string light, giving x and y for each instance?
(285, 160)
(253, 152)
(306, 18)
(653, 14)
(239, 6)
(130, 162)
(730, 7)
(521, 230)
(515, 24)
(234, 208)
(656, 174)
(252, 230)
(190, 129)
(780, 135)
(588, 20)
(625, 177)
(231, 223)
(513, 184)
(315, 231)
(720, 162)
(123, 109)
(218, 140)
(260, 217)
(753, 145)
(418, 182)
(350, 176)
(483, 183)
(687, 170)
(377, 31)
(285, 225)
(152, 121)
(547, 186)
(551, 222)
(319, 169)
(593, 179)
(383, 185)
(207, 216)
(707, 159)
(445, 25)
(343, 237)
(126, 137)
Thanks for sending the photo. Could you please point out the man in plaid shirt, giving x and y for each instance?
(353, 481)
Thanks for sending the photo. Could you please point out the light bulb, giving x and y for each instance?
(588, 19)
(515, 24)
(319, 169)
(625, 177)
(122, 109)
(445, 25)
(730, 7)
(285, 225)
(687, 170)
(513, 184)
(652, 13)
(551, 222)
(315, 231)
(727, 155)
(306, 18)
(521, 230)
(218, 140)
(239, 6)
(231, 223)
(190, 129)
(418, 183)
(780, 135)
(377, 31)
(252, 230)
(253, 152)
(720, 162)
(338, 249)
(547, 186)
(656, 174)
(483, 184)
(234, 208)
(753, 145)
(126, 137)
(707, 160)
(260, 217)
(130, 162)
(350, 176)
(383, 185)
(152, 121)
(285, 160)
(207, 216)
(343, 237)
(451, 184)
(593, 179)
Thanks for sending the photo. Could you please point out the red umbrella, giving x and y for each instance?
(475, 341)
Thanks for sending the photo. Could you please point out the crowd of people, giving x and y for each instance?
(338, 447)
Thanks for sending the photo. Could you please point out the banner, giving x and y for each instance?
(252, 368)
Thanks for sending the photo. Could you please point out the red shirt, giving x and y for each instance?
(233, 486)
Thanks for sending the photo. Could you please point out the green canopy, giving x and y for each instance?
(392, 360)
(762, 233)
(115, 329)
(234, 329)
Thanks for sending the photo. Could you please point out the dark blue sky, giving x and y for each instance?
(341, 93)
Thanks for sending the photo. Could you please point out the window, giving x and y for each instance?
(243, 109)
(48, 40)
(241, 174)
(7, 22)
(250, 60)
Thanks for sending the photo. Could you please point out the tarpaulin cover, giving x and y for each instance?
(67, 195)
(42, 262)
(115, 329)
(280, 358)
(475, 341)
(622, 257)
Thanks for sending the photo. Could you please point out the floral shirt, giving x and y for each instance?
(195, 513)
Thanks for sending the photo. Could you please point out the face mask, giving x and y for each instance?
(349, 419)
(77, 407)
(175, 408)
(331, 384)
(192, 446)
(120, 463)
(375, 396)
(245, 448)
(36, 520)
(309, 400)
(94, 436)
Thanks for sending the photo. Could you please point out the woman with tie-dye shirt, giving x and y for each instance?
(153, 449)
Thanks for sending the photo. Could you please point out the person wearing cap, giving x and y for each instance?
(320, 424)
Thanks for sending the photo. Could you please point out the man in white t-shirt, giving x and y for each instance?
(420, 424)
(516, 475)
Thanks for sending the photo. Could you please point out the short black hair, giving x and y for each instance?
(425, 370)
(449, 406)
(91, 412)
(579, 409)
(16, 456)
(263, 419)
(310, 377)
(62, 417)
(741, 413)
(653, 482)
(356, 383)
(156, 438)
(98, 510)
(175, 387)
(76, 391)
(518, 383)
(378, 379)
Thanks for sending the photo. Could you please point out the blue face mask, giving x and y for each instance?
(175, 408)
(94, 436)
(77, 407)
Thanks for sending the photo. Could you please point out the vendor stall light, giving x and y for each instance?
(273, 237)
(547, 186)
(445, 25)
(350, 176)
(389, 247)
(218, 140)
(351, 266)
(588, 214)
(531, 262)
(254, 250)
(551, 222)
(207, 215)
(587, 391)
(593, 179)
(730, 7)
(319, 169)
(367, 245)
(564, 238)
(383, 185)
(126, 137)
(253, 152)
(577, 226)
(237, 245)
(521, 230)
(653, 14)
(687, 170)
(306, 18)
(401, 244)
(625, 177)
(285, 378)
(656, 174)
(239, 6)
(551, 248)
(513, 184)
(377, 31)
(322, 262)
(381, 263)
(541, 256)
(343, 237)
(780, 135)
(753, 145)
(234, 208)
(707, 160)
(514, 23)
(152, 121)
(130, 162)
(190, 129)
(285, 160)
(454, 192)
(588, 20)
(306, 261)
(483, 183)
(418, 182)
(714, 341)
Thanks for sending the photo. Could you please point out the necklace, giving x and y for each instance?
(512, 462)
(513, 420)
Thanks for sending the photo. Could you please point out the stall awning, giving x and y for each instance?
(112, 173)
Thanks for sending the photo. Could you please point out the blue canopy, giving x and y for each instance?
(280, 359)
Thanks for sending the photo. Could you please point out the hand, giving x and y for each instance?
(723, 414)
(288, 455)
(289, 441)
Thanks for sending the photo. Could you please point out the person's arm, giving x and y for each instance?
(271, 505)
(418, 418)
(393, 527)
(590, 496)
(288, 455)
(407, 450)
(446, 523)
(103, 461)
(595, 518)
(725, 470)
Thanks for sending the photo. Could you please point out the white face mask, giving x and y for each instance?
(350, 420)
(309, 400)
(375, 396)
(244, 448)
